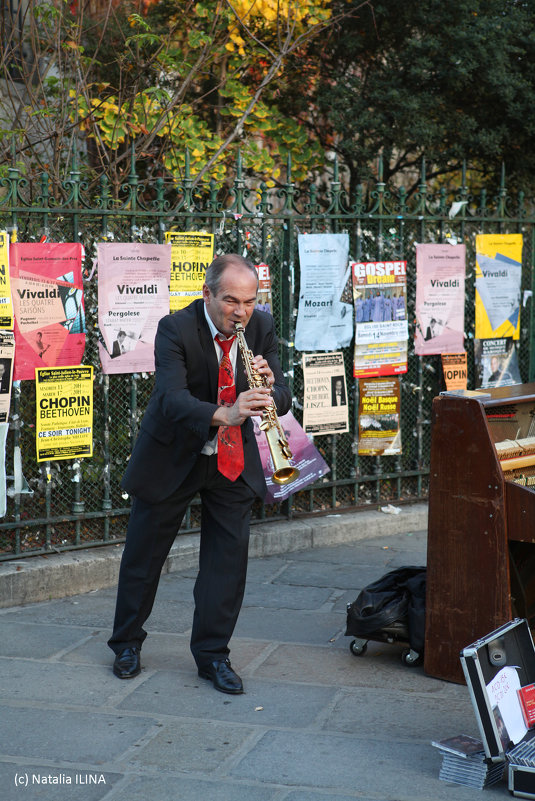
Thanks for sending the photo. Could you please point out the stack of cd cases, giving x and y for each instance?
(523, 754)
(464, 762)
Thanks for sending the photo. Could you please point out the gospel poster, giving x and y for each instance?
(381, 330)
(498, 279)
(191, 254)
(48, 301)
(264, 300)
(440, 277)
(133, 295)
(324, 320)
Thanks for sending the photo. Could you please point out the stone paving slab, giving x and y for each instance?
(41, 782)
(263, 704)
(336, 762)
(168, 788)
(288, 625)
(75, 736)
(31, 639)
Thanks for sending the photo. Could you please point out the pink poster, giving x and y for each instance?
(306, 458)
(133, 296)
(440, 273)
(48, 302)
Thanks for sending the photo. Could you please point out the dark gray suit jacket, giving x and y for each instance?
(176, 424)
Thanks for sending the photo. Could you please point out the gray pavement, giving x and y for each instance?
(315, 724)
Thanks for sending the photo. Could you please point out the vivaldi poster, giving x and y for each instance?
(191, 254)
(64, 412)
(440, 279)
(133, 296)
(48, 300)
(498, 280)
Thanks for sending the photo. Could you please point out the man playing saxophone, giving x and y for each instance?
(197, 436)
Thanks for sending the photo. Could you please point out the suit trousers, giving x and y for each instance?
(220, 585)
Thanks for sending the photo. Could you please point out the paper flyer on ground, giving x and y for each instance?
(440, 279)
(64, 412)
(379, 417)
(191, 254)
(6, 302)
(7, 360)
(324, 320)
(264, 301)
(325, 407)
(133, 296)
(381, 330)
(498, 281)
(48, 301)
(306, 458)
(496, 363)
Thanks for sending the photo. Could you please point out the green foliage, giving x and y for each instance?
(422, 78)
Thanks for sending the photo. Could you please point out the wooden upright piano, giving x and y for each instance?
(481, 534)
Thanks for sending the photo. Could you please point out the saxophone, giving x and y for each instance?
(280, 451)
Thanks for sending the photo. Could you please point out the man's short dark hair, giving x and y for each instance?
(218, 266)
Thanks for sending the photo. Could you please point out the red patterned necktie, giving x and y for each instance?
(229, 441)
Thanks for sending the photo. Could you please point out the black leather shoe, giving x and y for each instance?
(127, 663)
(223, 677)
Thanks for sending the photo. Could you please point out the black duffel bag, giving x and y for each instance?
(399, 596)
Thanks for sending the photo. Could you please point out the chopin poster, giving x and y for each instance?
(324, 320)
(440, 277)
(379, 417)
(64, 412)
(325, 407)
(6, 303)
(191, 254)
(48, 300)
(133, 295)
(381, 330)
(498, 279)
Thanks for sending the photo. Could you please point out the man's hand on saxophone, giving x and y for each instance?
(248, 404)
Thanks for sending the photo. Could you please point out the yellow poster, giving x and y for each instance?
(498, 281)
(191, 254)
(64, 405)
(6, 303)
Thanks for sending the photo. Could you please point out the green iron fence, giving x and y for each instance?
(76, 504)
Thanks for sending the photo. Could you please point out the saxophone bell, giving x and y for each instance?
(284, 472)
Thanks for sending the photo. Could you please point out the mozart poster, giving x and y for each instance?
(48, 301)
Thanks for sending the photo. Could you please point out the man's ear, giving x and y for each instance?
(206, 293)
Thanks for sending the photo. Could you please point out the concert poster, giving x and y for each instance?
(498, 282)
(191, 254)
(325, 406)
(64, 412)
(48, 301)
(133, 296)
(379, 417)
(6, 301)
(7, 360)
(264, 300)
(455, 371)
(496, 362)
(324, 315)
(440, 279)
(381, 329)
(306, 458)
